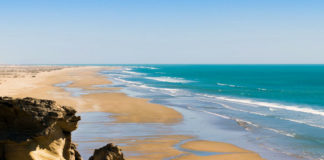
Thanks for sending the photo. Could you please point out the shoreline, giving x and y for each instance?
(121, 105)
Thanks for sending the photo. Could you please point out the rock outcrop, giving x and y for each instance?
(108, 152)
(33, 129)
(36, 129)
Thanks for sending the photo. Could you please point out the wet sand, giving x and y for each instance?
(125, 109)
(153, 147)
(227, 151)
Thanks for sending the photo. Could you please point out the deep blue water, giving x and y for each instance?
(281, 107)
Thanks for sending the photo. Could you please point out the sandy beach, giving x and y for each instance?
(42, 82)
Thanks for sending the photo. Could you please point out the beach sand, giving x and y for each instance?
(39, 82)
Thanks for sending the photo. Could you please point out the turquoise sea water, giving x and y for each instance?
(299, 84)
(280, 107)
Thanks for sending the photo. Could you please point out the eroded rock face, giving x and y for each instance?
(36, 129)
(108, 152)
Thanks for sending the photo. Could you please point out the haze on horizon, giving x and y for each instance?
(168, 31)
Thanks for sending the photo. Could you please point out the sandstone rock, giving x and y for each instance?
(108, 152)
(36, 129)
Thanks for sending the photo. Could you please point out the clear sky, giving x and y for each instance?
(161, 31)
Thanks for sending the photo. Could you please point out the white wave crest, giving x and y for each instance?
(236, 109)
(147, 67)
(270, 129)
(133, 73)
(143, 67)
(127, 68)
(168, 91)
(270, 105)
(212, 113)
(216, 114)
(240, 121)
(281, 132)
(169, 79)
(229, 85)
(302, 122)
(262, 89)
(127, 82)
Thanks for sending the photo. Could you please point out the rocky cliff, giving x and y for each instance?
(34, 129)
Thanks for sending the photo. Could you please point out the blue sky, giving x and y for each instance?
(161, 31)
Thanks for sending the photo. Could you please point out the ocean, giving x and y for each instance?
(275, 110)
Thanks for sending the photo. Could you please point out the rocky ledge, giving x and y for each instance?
(36, 129)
